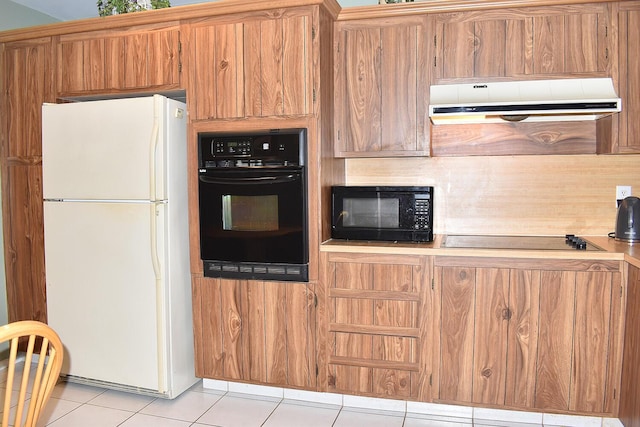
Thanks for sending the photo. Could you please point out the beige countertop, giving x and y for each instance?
(613, 250)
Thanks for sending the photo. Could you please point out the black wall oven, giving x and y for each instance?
(253, 205)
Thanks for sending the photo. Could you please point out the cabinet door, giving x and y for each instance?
(378, 312)
(530, 338)
(278, 66)
(27, 83)
(629, 27)
(381, 88)
(218, 74)
(255, 331)
(486, 350)
(545, 42)
(565, 41)
(630, 386)
(141, 59)
(577, 345)
(253, 66)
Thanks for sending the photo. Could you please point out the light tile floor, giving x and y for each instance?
(77, 405)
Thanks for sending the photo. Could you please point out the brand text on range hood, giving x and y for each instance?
(536, 100)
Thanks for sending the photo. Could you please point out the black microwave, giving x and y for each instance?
(382, 213)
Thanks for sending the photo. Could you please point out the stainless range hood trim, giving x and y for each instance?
(528, 101)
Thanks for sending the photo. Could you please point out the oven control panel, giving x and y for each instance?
(276, 148)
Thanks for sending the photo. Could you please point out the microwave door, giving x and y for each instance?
(372, 212)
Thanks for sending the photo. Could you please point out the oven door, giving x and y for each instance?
(253, 215)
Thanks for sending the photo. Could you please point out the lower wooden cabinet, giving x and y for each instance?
(531, 334)
(630, 387)
(260, 332)
(377, 325)
(528, 334)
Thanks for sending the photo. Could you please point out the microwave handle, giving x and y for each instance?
(251, 181)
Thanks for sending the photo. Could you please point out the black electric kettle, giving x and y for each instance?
(628, 220)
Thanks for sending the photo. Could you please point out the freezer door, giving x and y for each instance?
(108, 150)
(103, 295)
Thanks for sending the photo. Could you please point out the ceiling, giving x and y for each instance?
(69, 10)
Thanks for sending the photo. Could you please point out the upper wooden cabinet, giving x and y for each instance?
(629, 36)
(563, 41)
(381, 87)
(140, 59)
(258, 65)
(27, 83)
(524, 42)
(527, 335)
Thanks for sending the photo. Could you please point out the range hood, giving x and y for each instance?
(515, 101)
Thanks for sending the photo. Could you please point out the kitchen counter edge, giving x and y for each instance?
(613, 250)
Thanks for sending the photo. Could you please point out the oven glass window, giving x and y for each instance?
(253, 215)
(371, 212)
(249, 213)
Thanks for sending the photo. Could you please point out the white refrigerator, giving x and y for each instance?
(116, 242)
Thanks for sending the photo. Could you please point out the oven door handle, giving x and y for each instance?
(251, 180)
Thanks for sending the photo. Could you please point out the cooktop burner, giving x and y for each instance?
(546, 243)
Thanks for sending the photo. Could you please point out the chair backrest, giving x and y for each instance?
(36, 376)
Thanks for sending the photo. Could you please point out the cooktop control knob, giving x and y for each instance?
(576, 242)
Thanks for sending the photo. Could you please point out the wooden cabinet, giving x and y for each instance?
(143, 58)
(563, 41)
(630, 387)
(382, 91)
(629, 36)
(27, 82)
(530, 334)
(257, 65)
(524, 42)
(378, 325)
(261, 332)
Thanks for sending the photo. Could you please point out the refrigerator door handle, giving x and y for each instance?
(155, 260)
(153, 150)
(153, 159)
(162, 386)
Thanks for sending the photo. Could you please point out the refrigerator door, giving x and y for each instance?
(104, 297)
(107, 150)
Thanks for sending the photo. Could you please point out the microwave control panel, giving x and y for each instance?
(422, 212)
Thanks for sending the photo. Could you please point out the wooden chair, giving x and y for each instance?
(36, 376)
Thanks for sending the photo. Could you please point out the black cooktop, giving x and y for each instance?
(546, 243)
